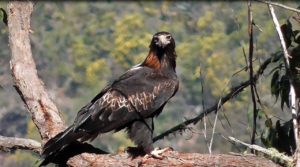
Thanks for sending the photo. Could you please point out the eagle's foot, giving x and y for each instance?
(157, 153)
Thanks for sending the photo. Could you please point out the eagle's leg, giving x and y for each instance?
(141, 133)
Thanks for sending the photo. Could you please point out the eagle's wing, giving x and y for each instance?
(140, 92)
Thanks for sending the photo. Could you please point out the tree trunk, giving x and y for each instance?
(31, 89)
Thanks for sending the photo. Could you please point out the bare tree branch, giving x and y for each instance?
(12, 143)
(31, 89)
(251, 78)
(234, 91)
(279, 5)
(291, 80)
(273, 154)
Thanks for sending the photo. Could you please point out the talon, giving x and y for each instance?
(156, 153)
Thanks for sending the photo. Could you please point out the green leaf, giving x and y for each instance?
(292, 30)
(297, 36)
(269, 135)
(268, 123)
(287, 33)
(284, 91)
(4, 16)
(275, 90)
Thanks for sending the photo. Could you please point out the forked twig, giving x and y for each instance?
(252, 84)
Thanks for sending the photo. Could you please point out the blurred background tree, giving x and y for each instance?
(80, 47)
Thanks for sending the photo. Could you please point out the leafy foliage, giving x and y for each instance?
(280, 86)
(280, 82)
(279, 136)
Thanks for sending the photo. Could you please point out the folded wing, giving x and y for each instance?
(140, 92)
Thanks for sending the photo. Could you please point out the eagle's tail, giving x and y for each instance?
(65, 145)
(60, 141)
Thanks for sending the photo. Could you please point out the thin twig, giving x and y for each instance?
(227, 120)
(245, 56)
(273, 154)
(217, 113)
(12, 143)
(234, 91)
(257, 26)
(203, 108)
(260, 103)
(252, 83)
(279, 5)
(213, 132)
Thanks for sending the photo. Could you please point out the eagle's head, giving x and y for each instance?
(162, 40)
(162, 52)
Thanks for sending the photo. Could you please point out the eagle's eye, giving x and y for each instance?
(168, 37)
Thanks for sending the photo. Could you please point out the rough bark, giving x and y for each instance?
(31, 89)
(12, 143)
(172, 158)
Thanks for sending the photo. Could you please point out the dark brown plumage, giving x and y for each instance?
(129, 102)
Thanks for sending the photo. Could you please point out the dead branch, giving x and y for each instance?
(172, 158)
(12, 143)
(31, 89)
(213, 133)
(234, 91)
(273, 154)
(291, 81)
(251, 78)
(279, 5)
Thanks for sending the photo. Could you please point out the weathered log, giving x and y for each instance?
(172, 158)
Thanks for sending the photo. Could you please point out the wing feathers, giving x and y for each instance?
(140, 95)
